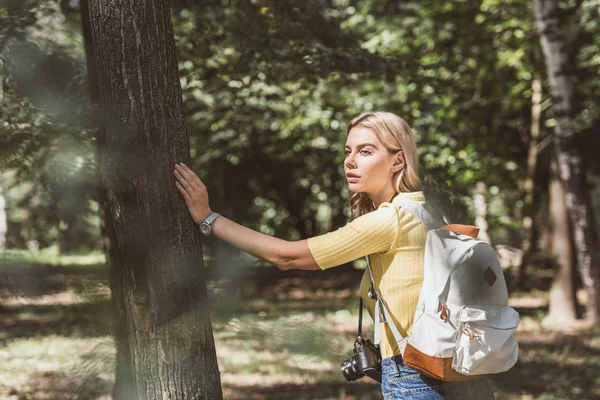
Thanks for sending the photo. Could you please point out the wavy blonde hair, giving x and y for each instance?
(395, 135)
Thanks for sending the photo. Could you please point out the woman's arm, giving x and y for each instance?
(282, 253)
(285, 255)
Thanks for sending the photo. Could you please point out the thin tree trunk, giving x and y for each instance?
(570, 163)
(480, 205)
(529, 186)
(562, 310)
(3, 223)
(1, 79)
(156, 245)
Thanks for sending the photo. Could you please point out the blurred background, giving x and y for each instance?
(268, 87)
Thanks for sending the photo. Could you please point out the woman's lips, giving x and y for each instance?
(352, 177)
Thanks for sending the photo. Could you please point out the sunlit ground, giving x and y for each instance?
(278, 336)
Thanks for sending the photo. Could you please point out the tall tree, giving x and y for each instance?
(533, 148)
(570, 163)
(562, 303)
(156, 245)
(123, 387)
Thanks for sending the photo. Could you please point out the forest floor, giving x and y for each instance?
(279, 335)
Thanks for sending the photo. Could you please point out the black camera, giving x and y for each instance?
(366, 361)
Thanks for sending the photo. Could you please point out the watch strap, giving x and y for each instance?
(209, 220)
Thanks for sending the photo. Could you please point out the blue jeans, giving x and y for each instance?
(399, 381)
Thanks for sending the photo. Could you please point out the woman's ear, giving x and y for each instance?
(399, 161)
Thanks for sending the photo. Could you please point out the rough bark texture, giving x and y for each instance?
(124, 387)
(155, 249)
(568, 156)
(562, 309)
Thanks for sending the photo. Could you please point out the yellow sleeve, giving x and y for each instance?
(370, 233)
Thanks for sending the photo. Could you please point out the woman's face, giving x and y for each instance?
(369, 166)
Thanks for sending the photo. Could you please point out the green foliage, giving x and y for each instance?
(263, 113)
(46, 145)
(268, 87)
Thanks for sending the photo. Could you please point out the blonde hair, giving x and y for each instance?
(395, 135)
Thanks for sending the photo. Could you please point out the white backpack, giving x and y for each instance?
(463, 326)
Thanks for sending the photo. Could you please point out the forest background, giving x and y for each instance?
(268, 87)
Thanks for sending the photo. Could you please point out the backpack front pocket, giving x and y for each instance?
(486, 342)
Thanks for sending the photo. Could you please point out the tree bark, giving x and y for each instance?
(124, 386)
(1, 78)
(562, 310)
(3, 221)
(570, 163)
(156, 247)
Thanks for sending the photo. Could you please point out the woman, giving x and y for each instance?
(381, 169)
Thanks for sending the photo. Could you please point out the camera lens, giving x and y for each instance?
(350, 369)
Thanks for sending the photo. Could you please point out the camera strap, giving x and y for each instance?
(360, 317)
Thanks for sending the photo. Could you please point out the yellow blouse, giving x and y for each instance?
(395, 240)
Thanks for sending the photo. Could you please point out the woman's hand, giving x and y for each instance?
(284, 254)
(193, 191)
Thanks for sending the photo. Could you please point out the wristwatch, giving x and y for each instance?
(206, 225)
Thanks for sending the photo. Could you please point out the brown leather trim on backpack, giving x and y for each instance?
(468, 230)
(437, 367)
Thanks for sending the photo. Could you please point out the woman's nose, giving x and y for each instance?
(350, 162)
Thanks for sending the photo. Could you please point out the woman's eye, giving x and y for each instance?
(365, 152)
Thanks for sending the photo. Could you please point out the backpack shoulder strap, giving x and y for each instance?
(382, 314)
(420, 212)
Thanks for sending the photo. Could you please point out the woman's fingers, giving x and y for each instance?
(183, 192)
(190, 182)
(193, 176)
(190, 177)
(184, 182)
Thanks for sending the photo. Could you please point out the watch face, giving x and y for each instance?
(205, 228)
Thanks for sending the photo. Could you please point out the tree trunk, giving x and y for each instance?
(1, 79)
(480, 205)
(570, 163)
(529, 184)
(124, 387)
(156, 245)
(3, 221)
(562, 310)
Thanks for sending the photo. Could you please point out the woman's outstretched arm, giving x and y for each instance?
(282, 253)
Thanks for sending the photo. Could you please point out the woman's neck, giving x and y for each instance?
(381, 197)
